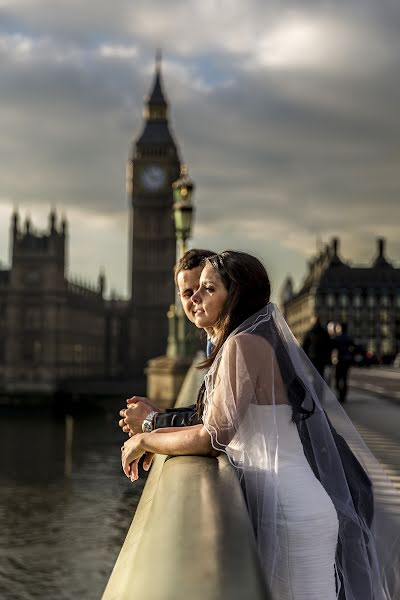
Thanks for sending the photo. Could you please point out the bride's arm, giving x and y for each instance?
(172, 441)
(177, 441)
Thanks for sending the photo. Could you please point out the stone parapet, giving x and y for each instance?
(191, 536)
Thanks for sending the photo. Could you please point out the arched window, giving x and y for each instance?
(385, 300)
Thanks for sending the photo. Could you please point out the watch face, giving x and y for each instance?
(147, 426)
(153, 178)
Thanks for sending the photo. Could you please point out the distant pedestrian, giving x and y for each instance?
(317, 344)
(344, 345)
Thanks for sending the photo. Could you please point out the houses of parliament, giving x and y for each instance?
(54, 329)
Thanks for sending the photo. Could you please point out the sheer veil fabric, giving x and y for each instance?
(262, 390)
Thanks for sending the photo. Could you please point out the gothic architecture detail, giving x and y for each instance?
(367, 298)
(54, 330)
(51, 327)
(153, 166)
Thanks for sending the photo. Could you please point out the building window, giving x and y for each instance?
(37, 351)
(32, 278)
(33, 318)
(78, 351)
(343, 300)
(385, 301)
(357, 301)
(27, 351)
(384, 316)
(384, 330)
(371, 301)
(330, 300)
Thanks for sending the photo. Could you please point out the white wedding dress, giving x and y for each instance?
(259, 384)
(307, 523)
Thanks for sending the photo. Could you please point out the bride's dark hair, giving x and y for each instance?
(249, 290)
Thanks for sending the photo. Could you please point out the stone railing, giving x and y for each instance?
(191, 536)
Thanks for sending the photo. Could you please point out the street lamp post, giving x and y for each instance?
(183, 209)
(183, 215)
(165, 374)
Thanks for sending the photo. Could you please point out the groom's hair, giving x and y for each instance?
(190, 260)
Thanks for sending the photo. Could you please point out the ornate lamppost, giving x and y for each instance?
(183, 209)
(165, 374)
(183, 216)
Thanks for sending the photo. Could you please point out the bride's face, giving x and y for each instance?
(209, 299)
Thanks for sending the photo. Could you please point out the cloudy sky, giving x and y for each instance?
(287, 113)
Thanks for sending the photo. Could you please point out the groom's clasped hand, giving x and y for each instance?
(136, 411)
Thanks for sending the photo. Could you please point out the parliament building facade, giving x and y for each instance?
(54, 329)
(367, 298)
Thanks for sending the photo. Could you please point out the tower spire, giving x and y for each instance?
(156, 103)
(158, 60)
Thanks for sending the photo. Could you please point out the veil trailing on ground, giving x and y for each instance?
(261, 363)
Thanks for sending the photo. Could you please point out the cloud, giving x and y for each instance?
(118, 51)
(286, 112)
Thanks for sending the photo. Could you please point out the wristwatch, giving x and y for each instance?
(147, 424)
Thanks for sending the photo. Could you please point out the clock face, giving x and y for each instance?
(153, 178)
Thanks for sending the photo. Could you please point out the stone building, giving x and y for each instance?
(54, 330)
(152, 167)
(367, 298)
(51, 328)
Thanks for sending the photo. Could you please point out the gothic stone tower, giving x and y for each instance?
(37, 284)
(152, 168)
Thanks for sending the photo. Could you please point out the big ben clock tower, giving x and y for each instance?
(152, 168)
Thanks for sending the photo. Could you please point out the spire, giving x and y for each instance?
(381, 260)
(64, 225)
(156, 130)
(101, 281)
(158, 61)
(28, 224)
(156, 104)
(15, 221)
(52, 220)
(334, 252)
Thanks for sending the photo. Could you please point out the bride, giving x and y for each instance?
(263, 404)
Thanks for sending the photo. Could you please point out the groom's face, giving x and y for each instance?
(188, 282)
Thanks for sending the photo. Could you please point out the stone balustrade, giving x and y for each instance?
(191, 536)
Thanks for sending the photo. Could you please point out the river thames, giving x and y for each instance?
(60, 534)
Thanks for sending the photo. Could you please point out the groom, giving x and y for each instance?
(142, 414)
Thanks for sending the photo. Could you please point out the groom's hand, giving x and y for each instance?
(136, 412)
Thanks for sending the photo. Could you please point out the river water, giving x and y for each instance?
(61, 534)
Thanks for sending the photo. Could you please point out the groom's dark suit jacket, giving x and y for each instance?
(177, 417)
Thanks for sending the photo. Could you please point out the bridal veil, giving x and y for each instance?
(262, 364)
